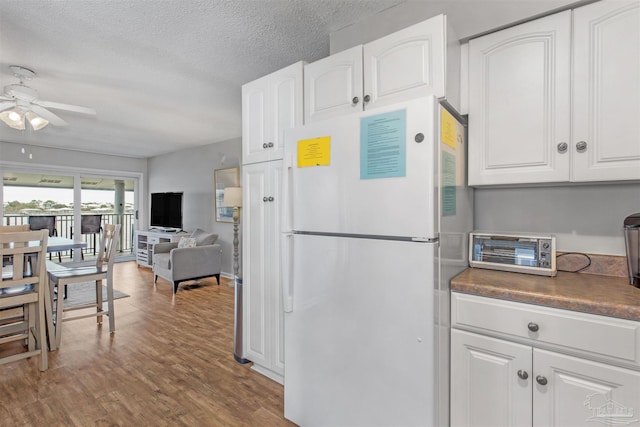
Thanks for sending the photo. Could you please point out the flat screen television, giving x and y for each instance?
(166, 210)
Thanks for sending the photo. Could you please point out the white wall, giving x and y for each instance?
(191, 171)
(467, 17)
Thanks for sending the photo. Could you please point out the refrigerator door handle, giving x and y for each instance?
(287, 202)
(287, 272)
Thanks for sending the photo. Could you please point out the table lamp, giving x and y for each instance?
(233, 199)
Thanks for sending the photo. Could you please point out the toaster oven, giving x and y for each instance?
(532, 254)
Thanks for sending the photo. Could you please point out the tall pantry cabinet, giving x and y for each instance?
(270, 105)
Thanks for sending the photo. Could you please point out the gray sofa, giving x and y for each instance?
(188, 263)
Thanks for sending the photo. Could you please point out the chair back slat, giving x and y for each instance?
(108, 245)
(19, 247)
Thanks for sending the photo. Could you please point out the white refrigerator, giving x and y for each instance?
(375, 222)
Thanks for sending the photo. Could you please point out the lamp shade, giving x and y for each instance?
(232, 197)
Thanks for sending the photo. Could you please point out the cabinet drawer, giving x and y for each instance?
(601, 335)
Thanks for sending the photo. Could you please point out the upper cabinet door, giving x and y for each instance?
(285, 110)
(519, 96)
(254, 121)
(333, 85)
(606, 107)
(270, 105)
(406, 64)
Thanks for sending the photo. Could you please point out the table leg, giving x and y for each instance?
(48, 312)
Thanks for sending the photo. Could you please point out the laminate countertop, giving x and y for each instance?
(588, 293)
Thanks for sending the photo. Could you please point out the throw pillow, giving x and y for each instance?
(203, 238)
(187, 242)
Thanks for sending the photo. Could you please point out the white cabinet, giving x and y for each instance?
(606, 87)
(262, 293)
(545, 109)
(569, 391)
(333, 85)
(419, 60)
(270, 105)
(515, 364)
(519, 96)
(145, 240)
(485, 387)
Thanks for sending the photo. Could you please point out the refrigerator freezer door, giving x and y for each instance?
(353, 193)
(359, 341)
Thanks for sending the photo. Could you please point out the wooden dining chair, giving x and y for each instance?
(23, 285)
(60, 276)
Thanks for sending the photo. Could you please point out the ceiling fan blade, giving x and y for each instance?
(48, 115)
(67, 107)
(6, 98)
(5, 105)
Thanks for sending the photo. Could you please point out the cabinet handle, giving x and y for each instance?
(366, 98)
(541, 380)
(581, 146)
(562, 147)
(270, 199)
(270, 145)
(523, 374)
(355, 100)
(533, 327)
(265, 199)
(264, 145)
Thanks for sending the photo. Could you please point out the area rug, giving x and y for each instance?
(85, 293)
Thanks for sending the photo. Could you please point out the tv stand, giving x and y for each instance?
(146, 239)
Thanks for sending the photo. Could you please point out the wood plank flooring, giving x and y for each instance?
(169, 363)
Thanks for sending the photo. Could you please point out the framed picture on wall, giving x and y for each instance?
(223, 178)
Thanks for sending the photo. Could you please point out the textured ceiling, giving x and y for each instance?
(163, 75)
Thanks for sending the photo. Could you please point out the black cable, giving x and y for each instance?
(576, 253)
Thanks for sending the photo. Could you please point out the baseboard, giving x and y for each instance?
(229, 276)
(268, 373)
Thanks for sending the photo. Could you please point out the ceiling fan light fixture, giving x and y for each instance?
(36, 121)
(13, 118)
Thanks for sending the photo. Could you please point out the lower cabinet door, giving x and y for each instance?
(491, 381)
(569, 391)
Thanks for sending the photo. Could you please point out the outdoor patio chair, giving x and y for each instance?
(45, 222)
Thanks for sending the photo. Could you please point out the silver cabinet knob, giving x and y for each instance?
(264, 145)
(562, 147)
(270, 199)
(523, 374)
(581, 146)
(270, 145)
(541, 380)
(355, 100)
(533, 327)
(265, 199)
(366, 98)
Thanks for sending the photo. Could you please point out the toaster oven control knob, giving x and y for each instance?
(533, 327)
(523, 374)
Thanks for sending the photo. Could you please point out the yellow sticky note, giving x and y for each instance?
(314, 152)
(447, 128)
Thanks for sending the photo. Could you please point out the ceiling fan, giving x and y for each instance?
(20, 102)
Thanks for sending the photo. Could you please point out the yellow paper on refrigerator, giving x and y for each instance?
(314, 152)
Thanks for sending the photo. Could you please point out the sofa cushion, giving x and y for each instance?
(187, 242)
(203, 238)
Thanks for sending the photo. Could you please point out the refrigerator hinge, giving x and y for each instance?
(425, 239)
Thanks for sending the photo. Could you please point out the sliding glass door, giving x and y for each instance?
(78, 205)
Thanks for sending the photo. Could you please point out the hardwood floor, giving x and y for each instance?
(169, 363)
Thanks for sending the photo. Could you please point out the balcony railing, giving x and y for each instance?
(65, 227)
